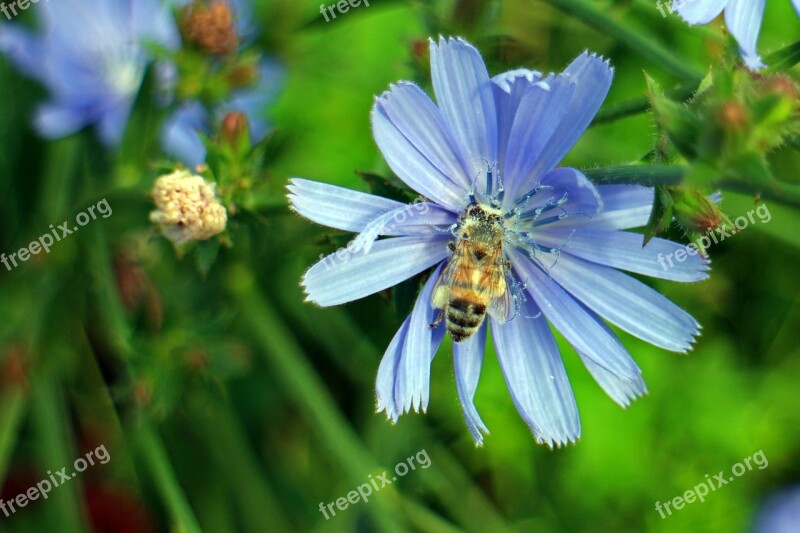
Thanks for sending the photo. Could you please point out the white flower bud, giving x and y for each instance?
(187, 208)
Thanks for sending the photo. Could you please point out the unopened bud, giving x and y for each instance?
(420, 50)
(211, 27)
(245, 74)
(187, 208)
(695, 212)
(733, 116)
(781, 85)
(235, 131)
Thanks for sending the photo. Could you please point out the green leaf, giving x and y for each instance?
(206, 253)
(680, 123)
(660, 215)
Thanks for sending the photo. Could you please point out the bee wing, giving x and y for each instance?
(441, 289)
(502, 307)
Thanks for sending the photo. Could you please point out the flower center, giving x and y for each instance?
(514, 224)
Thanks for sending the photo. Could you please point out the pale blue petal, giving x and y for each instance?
(113, 122)
(743, 18)
(592, 76)
(415, 115)
(624, 207)
(796, 4)
(568, 185)
(387, 373)
(181, 134)
(413, 384)
(153, 21)
(622, 392)
(624, 250)
(570, 318)
(345, 276)
(513, 84)
(509, 88)
(536, 378)
(407, 161)
(780, 513)
(53, 121)
(698, 12)
(464, 94)
(408, 219)
(420, 219)
(467, 360)
(23, 49)
(627, 303)
(539, 114)
(404, 374)
(336, 207)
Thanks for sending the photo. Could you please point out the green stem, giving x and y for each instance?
(783, 59)
(642, 44)
(333, 329)
(652, 175)
(12, 409)
(62, 162)
(155, 458)
(151, 449)
(49, 418)
(777, 191)
(288, 359)
(640, 104)
(228, 445)
(647, 175)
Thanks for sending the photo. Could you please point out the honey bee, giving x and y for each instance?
(474, 280)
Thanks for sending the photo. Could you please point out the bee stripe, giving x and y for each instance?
(460, 304)
(464, 320)
(465, 306)
(458, 337)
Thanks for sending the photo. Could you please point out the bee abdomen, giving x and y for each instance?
(464, 318)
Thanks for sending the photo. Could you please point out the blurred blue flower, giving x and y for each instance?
(743, 18)
(780, 513)
(90, 56)
(181, 135)
(496, 142)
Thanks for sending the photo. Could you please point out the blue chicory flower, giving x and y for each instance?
(780, 513)
(92, 59)
(743, 18)
(496, 142)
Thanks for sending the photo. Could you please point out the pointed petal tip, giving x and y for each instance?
(478, 433)
(556, 443)
(753, 62)
(588, 54)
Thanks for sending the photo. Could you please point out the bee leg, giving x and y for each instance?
(438, 320)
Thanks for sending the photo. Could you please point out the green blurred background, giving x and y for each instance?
(226, 403)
